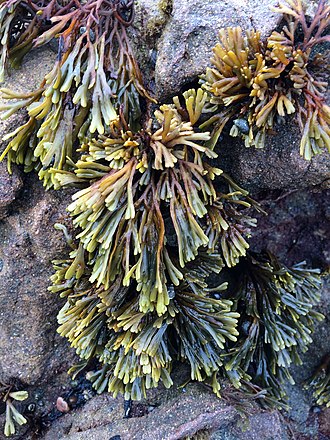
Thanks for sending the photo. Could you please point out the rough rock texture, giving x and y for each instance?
(176, 38)
(276, 166)
(179, 416)
(265, 425)
(29, 349)
(28, 346)
(186, 43)
(324, 423)
(10, 185)
(297, 227)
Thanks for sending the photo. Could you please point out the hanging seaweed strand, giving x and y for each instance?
(94, 82)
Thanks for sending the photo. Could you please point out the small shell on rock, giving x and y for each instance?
(62, 405)
(242, 125)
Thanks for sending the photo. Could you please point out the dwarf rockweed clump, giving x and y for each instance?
(95, 71)
(276, 321)
(153, 228)
(254, 83)
(320, 383)
(156, 220)
(9, 396)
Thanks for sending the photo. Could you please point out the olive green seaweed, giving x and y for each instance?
(94, 80)
(155, 221)
(254, 83)
(320, 383)
(8, 395)
(276, 321)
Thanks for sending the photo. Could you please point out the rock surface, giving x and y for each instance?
(10, 186)
(276, 166)
(29, 349)
(297, 227)
(180, 416)
(191, 31)
(264, 425)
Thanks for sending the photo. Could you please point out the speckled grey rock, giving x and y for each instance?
(185, 46)
(264, 425)
(10, 185)
(276, 166)
(179, 416)
(29, 347)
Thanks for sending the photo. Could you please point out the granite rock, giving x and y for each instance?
(29, 348)
(186, 43)
(10, 186)
(179, 416)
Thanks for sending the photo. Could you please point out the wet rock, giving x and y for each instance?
(185, 47)
(297, 227)
(10, 186)
(276, 166)
(324, 423)
(264, 425)
(30, 350)
(29, 347)
(151, 17)
(179, 415)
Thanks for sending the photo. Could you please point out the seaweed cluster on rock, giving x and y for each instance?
(157, 222)
(256, 83)
(95, 71)
(320, 383)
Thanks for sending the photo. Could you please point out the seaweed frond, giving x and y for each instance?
(135, 349)
(255, 83)
(149, 225)
(155, 191)
(320, 383)
(8, 395)
(277, 317)
(156, 221)
(94, 81)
